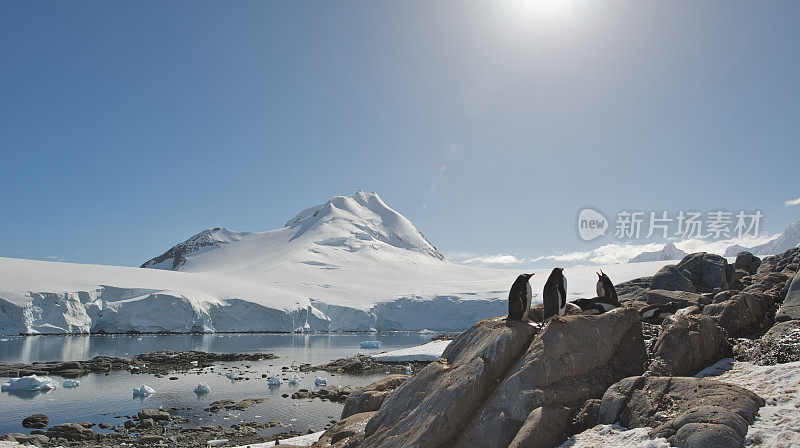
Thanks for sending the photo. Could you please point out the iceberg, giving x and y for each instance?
(274, 381)
(320, 381)
(371, 344)
(202, 388)
(31, 383)
(69, 384)
(294, 379)
(143, 391)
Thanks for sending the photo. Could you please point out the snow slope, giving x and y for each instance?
(669, 252)
(352, 263)
(789, 239)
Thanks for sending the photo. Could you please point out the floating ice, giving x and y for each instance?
(274, 381)
(294, 379)
(217, 442)
(143, 391)
(320, 381)
(371, 344)
(426, 352)
(202, 388)
(409, 368)
(32, 382)
(231, 376)
(69, 384)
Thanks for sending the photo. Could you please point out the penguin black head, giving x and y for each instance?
(525, 277)
(558, 271)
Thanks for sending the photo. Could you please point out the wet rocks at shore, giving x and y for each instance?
(158, 362)
(365, 364)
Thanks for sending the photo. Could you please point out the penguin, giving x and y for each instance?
(656, 313)
(606, 290)
(519, 298)
(555, 294)
(593, 306)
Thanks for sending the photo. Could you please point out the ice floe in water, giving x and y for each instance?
(320, 381)
(32, 383)
(143, 391)
(69, 384)
(202, 388)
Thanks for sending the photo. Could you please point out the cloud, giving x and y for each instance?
(792, 202)
(612, 253)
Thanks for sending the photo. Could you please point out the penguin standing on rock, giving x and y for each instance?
(555, 294)
(519, 298)
(606, 292)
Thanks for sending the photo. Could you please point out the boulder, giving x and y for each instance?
(432, 408)
(36, 421)
(781, 344)
(686, 411)
(687, 344)
(587, 416)
(155, 415)
(573, 359)
(670, 278)
(661, 296)
(70, 431)
(370, 398)
(546, 426)
(741, 311)
(707, 272)
(345, 428)
(747, 262)
(790, 310)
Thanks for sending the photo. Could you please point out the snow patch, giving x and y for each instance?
(426, 352)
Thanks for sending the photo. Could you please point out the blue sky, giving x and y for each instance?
(126, 127)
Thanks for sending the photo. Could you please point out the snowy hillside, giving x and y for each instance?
(350, 264)
(790, 238)
(669, 252)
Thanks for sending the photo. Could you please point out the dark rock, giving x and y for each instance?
(790, 310)
(346, 428)
(781, 344)
(739, 312)
(70, 431)
(707, 272)
(687, 344)
(662, 296)
(36, 421)
(155, 415)
(670, 278)
(704, 435)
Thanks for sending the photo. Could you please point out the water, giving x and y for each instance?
(103, 398)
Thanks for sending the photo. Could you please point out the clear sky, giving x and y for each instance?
(126, 127)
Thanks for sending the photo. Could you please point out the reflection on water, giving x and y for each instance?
(29, 349)
(107, 397)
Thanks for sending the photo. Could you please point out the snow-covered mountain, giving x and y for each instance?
(789, 239)
(352, 263)
(669, 252)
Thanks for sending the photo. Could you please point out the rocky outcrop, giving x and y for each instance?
(494, 387)
(688, 412)
(781, 344)
(371, 397)
(434, 407)
(36, 421)
(661, 296)
(687, 344)
(345, 428)
(740, 311)
(569, 362)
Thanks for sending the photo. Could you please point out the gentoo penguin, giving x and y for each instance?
(656, 313)
(554, 295)
(519, 298)
(594, 306)
(606, 290)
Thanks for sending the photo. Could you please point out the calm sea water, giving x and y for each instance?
(100, 396)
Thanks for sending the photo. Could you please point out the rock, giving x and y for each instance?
(661, 296)
(707, 272)
(103, 425)
(370, 398)
(741, 311)
(634, 290)
(781, 344)
(85, 424)
(536, 312)
(790, 310)
(587, 416)
(345, 428)
(687, 344)
(546, 426)
(432, 408)
(151, 439)
(747, 262)
(686, 411)
(571, 360)
(670, 278)
(146, 423)
(36, 421)
(70, 431)
(155, 415)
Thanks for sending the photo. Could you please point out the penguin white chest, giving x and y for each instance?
(562, 298)
(528, 297)
(600, 290)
